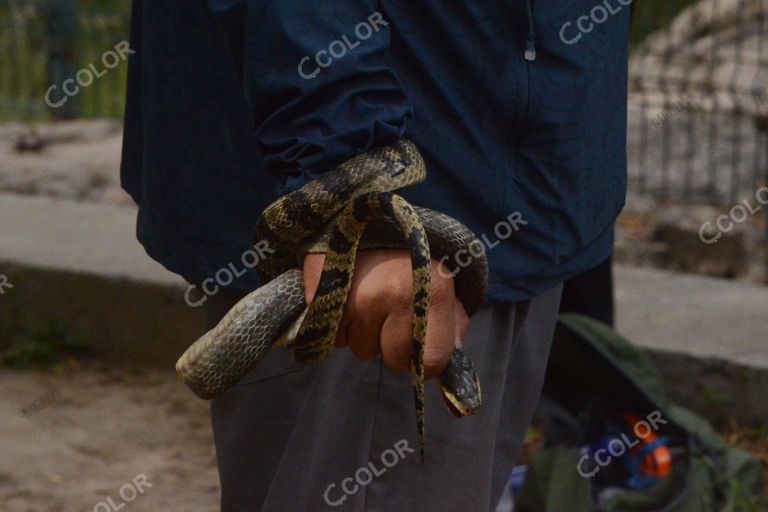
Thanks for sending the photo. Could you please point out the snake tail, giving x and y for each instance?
(314, 341)
(412, 230)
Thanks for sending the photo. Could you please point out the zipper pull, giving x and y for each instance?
(530, 43)
(530, 47)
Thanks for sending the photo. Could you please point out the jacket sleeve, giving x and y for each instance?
(322, 91)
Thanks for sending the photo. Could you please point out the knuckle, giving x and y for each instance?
(442, 291)
(378, 296)
(434, 360)
(369, 298)
(401, 300)
(399, 295)
(364, 300)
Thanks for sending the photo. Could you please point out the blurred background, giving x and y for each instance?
(90, 327)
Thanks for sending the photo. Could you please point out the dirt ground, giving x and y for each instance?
(90, 437)
(80, 440)
(74, 160)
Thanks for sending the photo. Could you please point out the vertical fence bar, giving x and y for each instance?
(759, 92)
(714, 110)
(61, 21)
(734, 87)
(5, 75)
(665, 89)
(13, 50)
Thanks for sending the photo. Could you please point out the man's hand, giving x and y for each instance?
(379, 311)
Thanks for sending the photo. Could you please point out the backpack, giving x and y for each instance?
(614, 442)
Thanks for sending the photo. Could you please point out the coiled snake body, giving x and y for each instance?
(339, 212)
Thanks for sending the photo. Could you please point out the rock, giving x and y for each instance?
(682, 250)
(676, 234)
(78, 160)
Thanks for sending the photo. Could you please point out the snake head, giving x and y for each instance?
(460, 385)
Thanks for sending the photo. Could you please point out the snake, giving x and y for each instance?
(350, 208)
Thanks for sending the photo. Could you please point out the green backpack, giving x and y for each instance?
(592, 372)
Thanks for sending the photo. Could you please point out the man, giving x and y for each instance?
(519, 109)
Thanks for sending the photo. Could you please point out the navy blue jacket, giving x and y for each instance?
(234, 102)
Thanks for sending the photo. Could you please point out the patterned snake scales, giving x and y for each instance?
(345, 209)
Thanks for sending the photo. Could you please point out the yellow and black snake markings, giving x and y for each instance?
(314, 341)
(288, 222)
(357, 195)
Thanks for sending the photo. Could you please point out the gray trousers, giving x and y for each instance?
(342, 436)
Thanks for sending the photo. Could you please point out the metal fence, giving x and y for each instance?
(698, 105)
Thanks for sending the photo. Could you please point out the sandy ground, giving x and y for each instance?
(102, 439)
(76, 160)
(92, 435)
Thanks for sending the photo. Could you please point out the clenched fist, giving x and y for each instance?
(379, 311)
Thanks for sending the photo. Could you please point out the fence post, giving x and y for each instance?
(61, 22)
